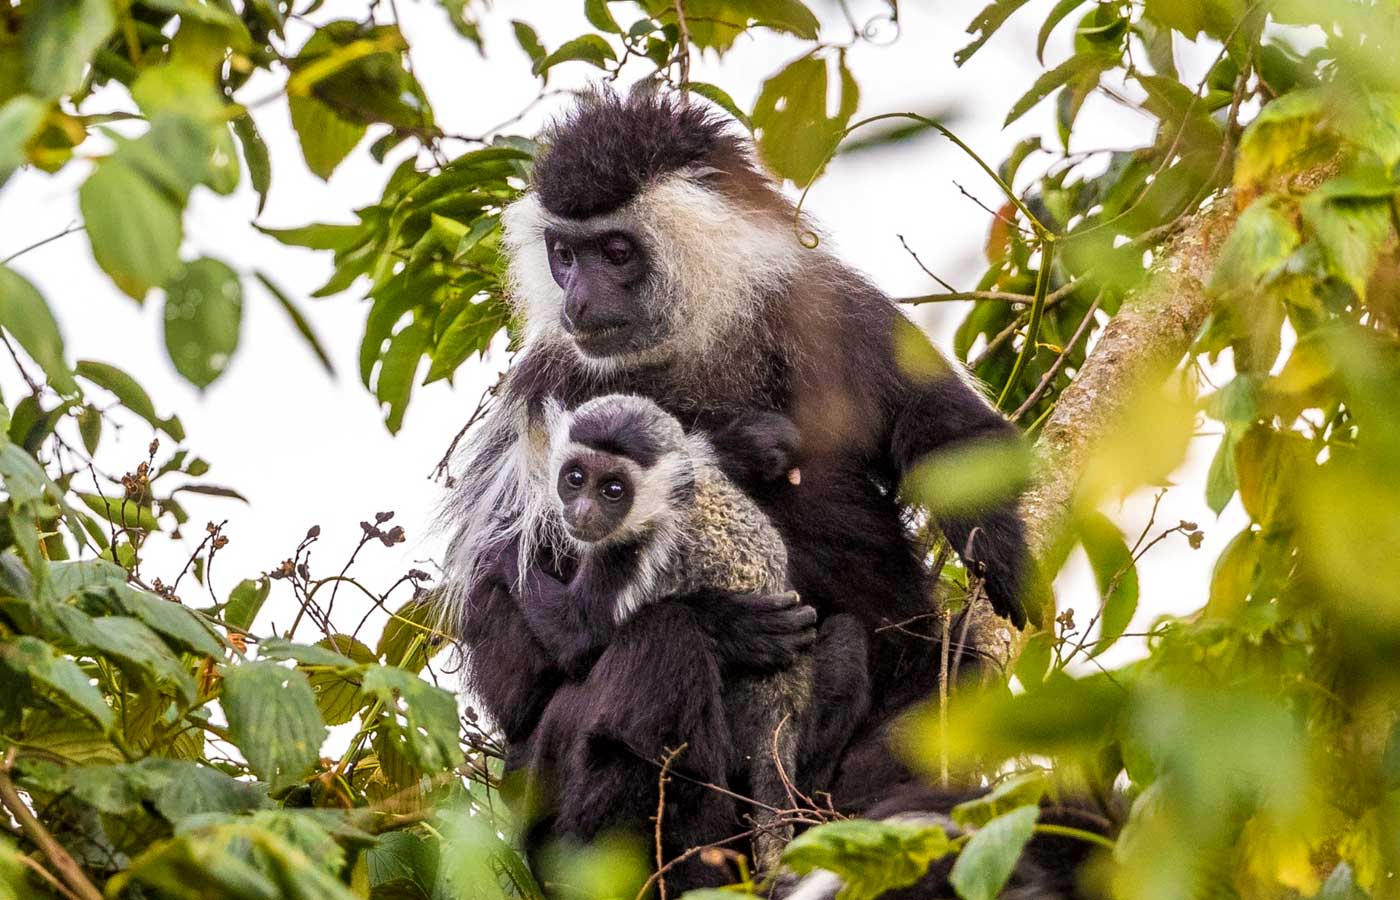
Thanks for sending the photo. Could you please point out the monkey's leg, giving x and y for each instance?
(840, 700)
(767, 716)
(655, 689)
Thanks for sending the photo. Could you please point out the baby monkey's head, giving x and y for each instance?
(624, 468)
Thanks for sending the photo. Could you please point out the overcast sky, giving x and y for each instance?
(306, 449)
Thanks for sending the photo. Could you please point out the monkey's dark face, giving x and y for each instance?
(597, 492)
(604, 276)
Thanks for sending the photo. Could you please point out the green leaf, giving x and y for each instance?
(60, 36)
(394, 385)
(1234, 575)
(326, 138)
(1083, 66)
(985, 864)
(600, 17)
(1284, 137)
(1186, 16)
(256, 156)
(719, 97)
(968, 478)
(245, 601)
(20, 117)
(129, 393)
(25, 315)
(319, 654)
(134, 229)
(1010, 794)
(471, 332)
(42, 664)
(986, 24)
(138, 647)
(273, 718)
(589, 48)
(1222, 481)
(1116, 574)
(1057, 15)
(795, 134)
(203, 317)
(1260, 244)
(175, 621)
(428, 735)
(871, 857)
(299, 321)
(1351, 234)
(90, 427)
(529, 41)
(339, 695)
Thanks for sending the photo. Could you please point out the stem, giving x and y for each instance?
(1078, 834)
(1042, 285)
(37, 244)
(1040, 230)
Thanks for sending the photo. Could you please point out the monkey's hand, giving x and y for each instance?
(759, 448)
(755, 634)
(556, 618)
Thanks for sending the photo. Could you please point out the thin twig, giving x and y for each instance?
(1048, 378)
(72, 227)
(683, 50)
(920, 263)
(661, 809)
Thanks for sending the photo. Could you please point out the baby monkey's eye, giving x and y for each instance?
(612, 490)
(574, 478)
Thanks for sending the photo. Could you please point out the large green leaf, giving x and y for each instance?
(795, 133)
(871, 857)
(1083, 66)
(273, 719)
(42, 664)
(245, 601)
(203, 318)
(986, 863)
(986, 24)
(60, 36)
(136, 645)
(1351, 234)
(326, 138)
(172, 619)
(135, 229)
(1116, 575)
(25, 315)
(299, 322)
(395, 382)
(589, 48)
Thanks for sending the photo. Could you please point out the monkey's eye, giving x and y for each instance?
(564, 255)
(574, 478)
(617, 249)
(612, 491)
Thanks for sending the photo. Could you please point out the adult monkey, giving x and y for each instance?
(653, 256)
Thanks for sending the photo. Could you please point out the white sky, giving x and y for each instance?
(306, 449)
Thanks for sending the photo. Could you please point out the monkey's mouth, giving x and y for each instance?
(609, 340)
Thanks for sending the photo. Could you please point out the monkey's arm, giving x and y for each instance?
(754, 634)
(569, 621)
(942, 413)
(507, 667)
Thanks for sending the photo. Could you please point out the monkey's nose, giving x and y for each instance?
(584, 520)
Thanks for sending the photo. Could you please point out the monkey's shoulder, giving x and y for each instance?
(730, 543)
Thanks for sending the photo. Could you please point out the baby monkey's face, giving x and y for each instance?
(596, 491)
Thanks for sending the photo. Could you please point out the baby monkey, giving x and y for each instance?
(649, 514)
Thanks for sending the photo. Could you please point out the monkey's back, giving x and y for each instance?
(730, 544)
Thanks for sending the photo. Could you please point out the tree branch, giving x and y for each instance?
(1144, 341)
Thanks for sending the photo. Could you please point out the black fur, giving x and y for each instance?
(620, 431)
(608, 148)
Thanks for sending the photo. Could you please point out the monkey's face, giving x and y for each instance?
(605, 276)
(596, 494)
